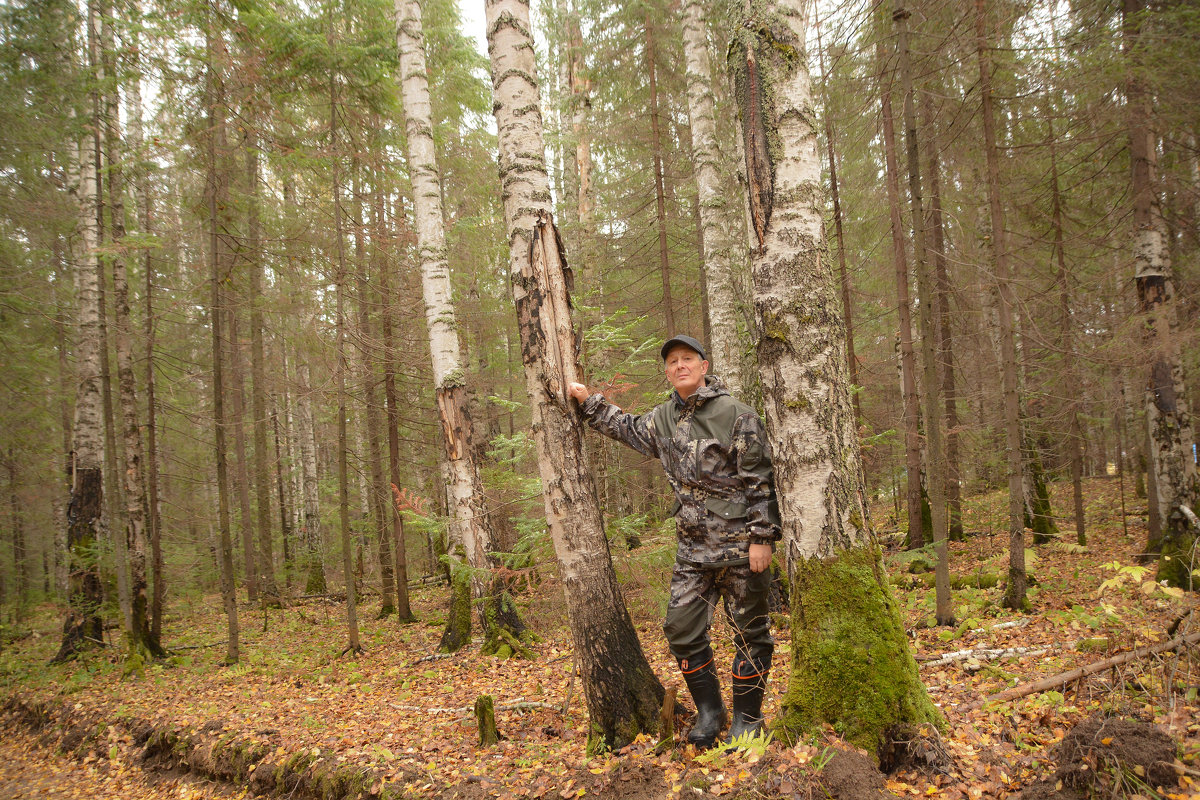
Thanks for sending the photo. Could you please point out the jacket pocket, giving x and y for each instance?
(725, 509)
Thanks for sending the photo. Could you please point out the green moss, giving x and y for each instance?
(774, 327)
(134, 665)
(856, 519)
(799, 403)
(458, 621)
(851, 664)
(1039, 516)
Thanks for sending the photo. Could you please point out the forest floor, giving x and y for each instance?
(299, 717)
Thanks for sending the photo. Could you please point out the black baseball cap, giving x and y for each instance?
(687, 341)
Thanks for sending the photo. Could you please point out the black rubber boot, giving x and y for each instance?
(706, 693)
(747, 701)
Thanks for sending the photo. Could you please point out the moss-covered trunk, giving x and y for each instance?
(458, 622)
(1039, 516)
(847, 632)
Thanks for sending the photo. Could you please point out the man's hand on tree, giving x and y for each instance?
(578, 391)
(760, 557)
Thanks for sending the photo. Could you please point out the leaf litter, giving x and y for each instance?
(404, 721)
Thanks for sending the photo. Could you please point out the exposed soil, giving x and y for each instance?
(28, 769)
(852, 776)
(1109, 757)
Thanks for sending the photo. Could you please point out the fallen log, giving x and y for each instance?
(1089, 669)
(986, 654)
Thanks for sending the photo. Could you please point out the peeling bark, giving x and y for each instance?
(1168, 417)
(621, 691)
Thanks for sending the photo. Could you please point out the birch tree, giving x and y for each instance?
(621, 691)
(465, 494)
(856, 675)
(1177, 485)
(82, 626)
(720, 216)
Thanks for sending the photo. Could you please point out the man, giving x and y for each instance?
(714, 450)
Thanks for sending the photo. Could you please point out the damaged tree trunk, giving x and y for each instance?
(468, 510)
(622, 693)
(851, 663)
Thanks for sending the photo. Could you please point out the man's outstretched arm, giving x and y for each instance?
(628, 429)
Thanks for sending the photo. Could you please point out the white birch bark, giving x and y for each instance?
(801, 350)
(82, 627)
(468, 510)
(720, 213)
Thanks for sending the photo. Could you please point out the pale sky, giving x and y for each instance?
(473, 23)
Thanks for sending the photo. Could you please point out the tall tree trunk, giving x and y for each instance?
(1014, 593)
(935, 477)
(265, 562)
(720, 214)
(581, 135)
(1168, 418)
(241, 472)
(339, 282)
(404, 612)
(379, 495)
(16, 521)
(620, 689)
(285, 524)
(82, 625)
(908, 367)
(101, 45)
(145, 214)
(660, 204)
(1067, 340)
(843, 272)
(63, 274)
(870, 689)
(137, 617)
(954, 530)
(220, 258)
(312, 539)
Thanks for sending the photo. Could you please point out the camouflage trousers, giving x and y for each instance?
(694, 593)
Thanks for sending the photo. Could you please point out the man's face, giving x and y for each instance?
(685, 370)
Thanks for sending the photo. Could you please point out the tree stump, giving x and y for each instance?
(485, 715)
(666, 721)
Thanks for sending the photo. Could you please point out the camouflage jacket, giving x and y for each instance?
(717, 458)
